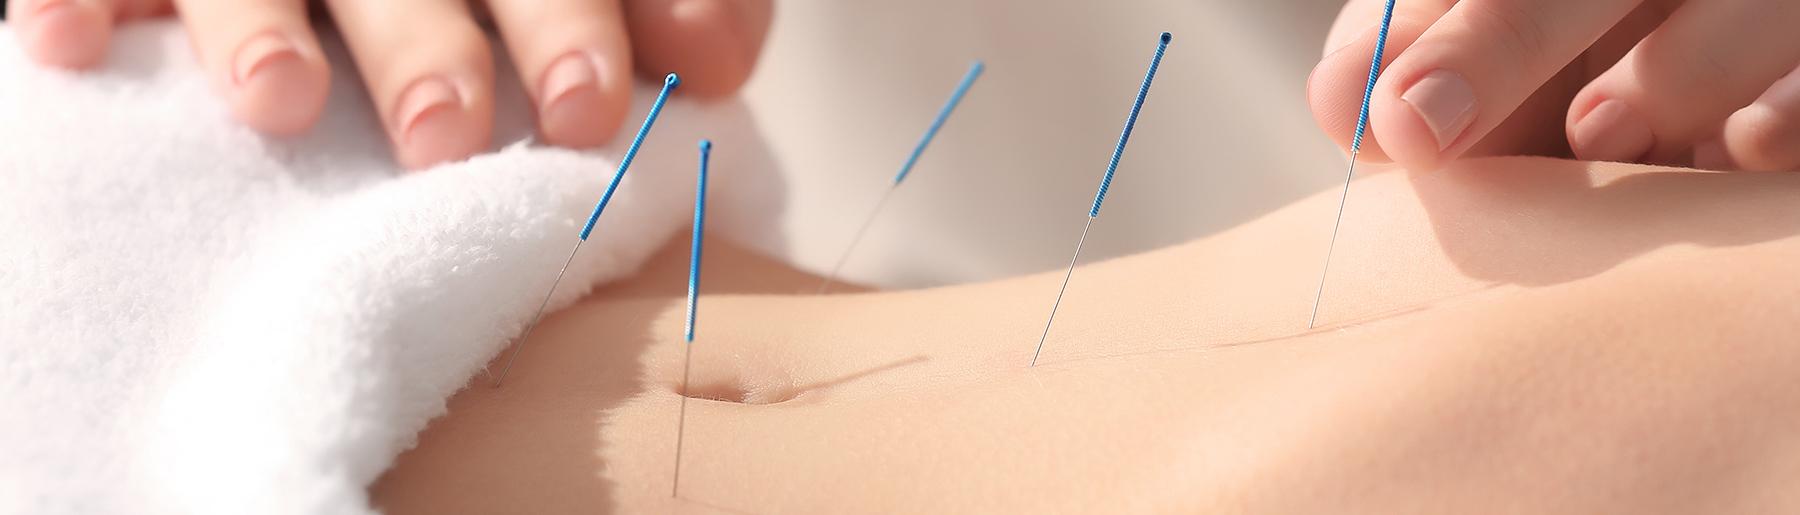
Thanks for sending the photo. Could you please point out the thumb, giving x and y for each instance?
(1336, 89)
(1474, 66)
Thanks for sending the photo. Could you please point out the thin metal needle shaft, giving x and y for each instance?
(1362, 126)
(1343, 199)
(956, 96)
(693, 303)
(854, 240)
(669, 84)
(1063, 289)
(540, 312)
(1112, 166)
(687, 365)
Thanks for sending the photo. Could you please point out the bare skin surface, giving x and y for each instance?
(1507, 335)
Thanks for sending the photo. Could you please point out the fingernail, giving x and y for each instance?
(1711, 155)
(273, 88)
(44, 6)
(570, 101)
(1446, 103)
(571, 72)
(434, 125)
(422, 103)
(1612, 132)
(268, 53)
(694, 10)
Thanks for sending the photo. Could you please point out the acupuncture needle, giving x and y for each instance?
(1105, 184)
(692, 303)
(1362, 125)
(669, 84)
(956, 97)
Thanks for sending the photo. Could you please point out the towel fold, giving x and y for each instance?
(198, 319)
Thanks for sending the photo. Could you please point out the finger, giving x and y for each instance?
(713, 44)
(1336, 87)
(133, 9)
(574, 58)
(263, 57)
(430, 72)
(1763, 137)
(1680, 83)
(63, 33)
(1473, 68)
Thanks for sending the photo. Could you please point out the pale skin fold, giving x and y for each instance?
(1504, 335)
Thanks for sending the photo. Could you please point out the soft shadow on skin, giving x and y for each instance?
(1333, 327)
(717, 508)
(552, 410)
(549, 415)
(826, 385)
(561, 392)
(1533, 221)
(728, 269)
(535, 445)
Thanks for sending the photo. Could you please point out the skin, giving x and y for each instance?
(1709, 83)
(1507, 335)
(428, 63)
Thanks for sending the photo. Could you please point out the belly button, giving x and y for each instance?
(740, 390)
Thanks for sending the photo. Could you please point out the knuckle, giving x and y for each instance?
(1709, 67)
(1766, 139)
(470, 42)
(1515, 28)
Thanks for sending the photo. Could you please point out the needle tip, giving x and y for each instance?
(672, 80)
(1166, 37)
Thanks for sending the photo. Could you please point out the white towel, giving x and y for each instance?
(198, 319)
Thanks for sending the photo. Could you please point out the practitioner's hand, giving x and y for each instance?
(1658, 81)
(427, 62)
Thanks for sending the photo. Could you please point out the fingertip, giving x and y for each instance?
(1329, 104)
(712, 44)
(574, 56)
(1334, 93)
(1610, 131)
(67, 33)
(432, 78)
(278, 86)
(440, 136)
(1426, 119)
(1406, 138)
(1758, 138)
(580, 109)
(437, 124)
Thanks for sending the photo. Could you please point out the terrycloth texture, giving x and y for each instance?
(198, 319)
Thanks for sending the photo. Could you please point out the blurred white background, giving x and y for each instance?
(846, 88)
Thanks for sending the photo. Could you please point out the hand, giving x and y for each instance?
(1701, 83)
(427, 62)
